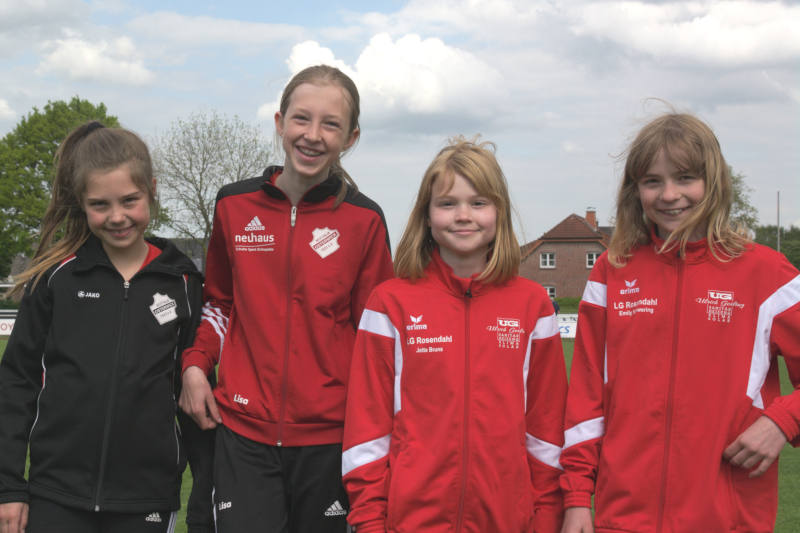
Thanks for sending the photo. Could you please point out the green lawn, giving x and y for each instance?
(789, 493)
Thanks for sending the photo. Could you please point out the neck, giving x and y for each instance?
(464, 267)
(295, 186)
(129, 260)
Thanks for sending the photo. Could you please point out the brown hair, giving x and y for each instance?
(691, 145)
(88, 148)
(327, 75)
(475, 162)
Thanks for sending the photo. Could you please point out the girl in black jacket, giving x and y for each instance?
(88, 379)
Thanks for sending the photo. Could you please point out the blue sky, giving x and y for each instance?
(560, 87)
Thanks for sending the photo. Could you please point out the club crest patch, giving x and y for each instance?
(164, 308)
(325, 241)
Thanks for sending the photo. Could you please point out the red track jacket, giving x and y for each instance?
(673, 360)
(455, 407)
(285, 287)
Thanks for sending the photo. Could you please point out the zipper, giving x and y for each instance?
(670, 395)
(112, 395)
(465, 435)
(285, 377)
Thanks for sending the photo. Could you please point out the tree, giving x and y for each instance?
(790, 241)
(195, 158)
(26, 170)
(742, 211)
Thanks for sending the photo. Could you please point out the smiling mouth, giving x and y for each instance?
(308, 152)
(674, 212)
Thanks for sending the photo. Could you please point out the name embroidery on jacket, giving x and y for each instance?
(254, 238)
(719, 305)
(508, 332)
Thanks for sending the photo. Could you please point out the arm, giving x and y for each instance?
(368, 421)
(376, 267)
(13, 517)
(760, 444)
(584, 420)
(21, 380)
(200, 359)
(546, 396)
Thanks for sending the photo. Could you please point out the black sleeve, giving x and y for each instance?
(21, 380)
(199, 444)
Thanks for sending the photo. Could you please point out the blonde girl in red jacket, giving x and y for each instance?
(674, 416)
(457, 385)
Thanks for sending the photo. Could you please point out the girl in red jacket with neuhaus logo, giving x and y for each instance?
(674, 416)
(457, 386)
(292, 259)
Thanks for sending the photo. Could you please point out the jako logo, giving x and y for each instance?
(507, 322)
(238, 398)
(721, 295)
(86, 294)
(223, 505)
(631, 287)
(416, 323)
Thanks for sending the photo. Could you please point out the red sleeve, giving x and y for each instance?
(376, 267)
(785, 341)
(544, 415)
(584, 422)
(218, 298)
(368, 420)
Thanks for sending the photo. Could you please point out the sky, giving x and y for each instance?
(560, 87)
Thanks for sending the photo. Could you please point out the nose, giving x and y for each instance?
(463, 212)
(312, 132)
(670, 192)
(116, 215)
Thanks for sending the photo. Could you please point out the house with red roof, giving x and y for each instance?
(562, 258)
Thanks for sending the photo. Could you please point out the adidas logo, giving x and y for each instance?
(336, 509)
(153, 517)
(254, 225)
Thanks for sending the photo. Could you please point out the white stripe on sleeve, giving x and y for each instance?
(595, 293)
(380, 324)
(365, 453)
(588, 430)
(543, 451)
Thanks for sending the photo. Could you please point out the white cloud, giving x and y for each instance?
(722, 33)
(39, 13)
(6, 113)
(423, 77)
(114, 61)
(209, 31)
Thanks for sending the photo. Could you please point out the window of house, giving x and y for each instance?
(551, 291)
(591, 257)
(547, 260)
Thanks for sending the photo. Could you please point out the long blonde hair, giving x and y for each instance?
(475, 162)
(88, 148)
(327, 75)
(691, 145)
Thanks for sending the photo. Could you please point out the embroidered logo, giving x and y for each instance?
(88, 294)
(508, 332)
(224, 505)
(325, 241)
(720, 305)
(153, 517)
(238, 398)
(164, 308)
(415, 323)
(630, 287)
(335, 509)
(254, 238)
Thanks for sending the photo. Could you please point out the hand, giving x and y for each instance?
(577, 520)
(197, 400)
(13, 517)
(760, 443)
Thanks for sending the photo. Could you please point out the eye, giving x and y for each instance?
(300, 118)
(333, 124)
(481, 202)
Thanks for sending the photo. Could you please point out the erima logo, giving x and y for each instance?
(335, 509)
(153, 517)
(87, 294)
(631, 287)
(507, 322)
(238, 398)
(254, 225)
(721, 295)
(224, 505)
(415, 323)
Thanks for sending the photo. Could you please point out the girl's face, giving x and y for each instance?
(315, 130)
(670, 195)
(463, 223)
(117, 210)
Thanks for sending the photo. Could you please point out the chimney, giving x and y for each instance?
(591, 217)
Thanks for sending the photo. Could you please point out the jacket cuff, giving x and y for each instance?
(14, 497)
(577, 499)
(784, 420)
(195, 357)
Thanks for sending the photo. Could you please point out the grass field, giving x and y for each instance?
(789, 493)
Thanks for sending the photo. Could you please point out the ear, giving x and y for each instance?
(351, 141)
(279, 123)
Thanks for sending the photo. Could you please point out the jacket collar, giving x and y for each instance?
(316, 194)
(695, 252)
(440, 271)
(171, 261)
